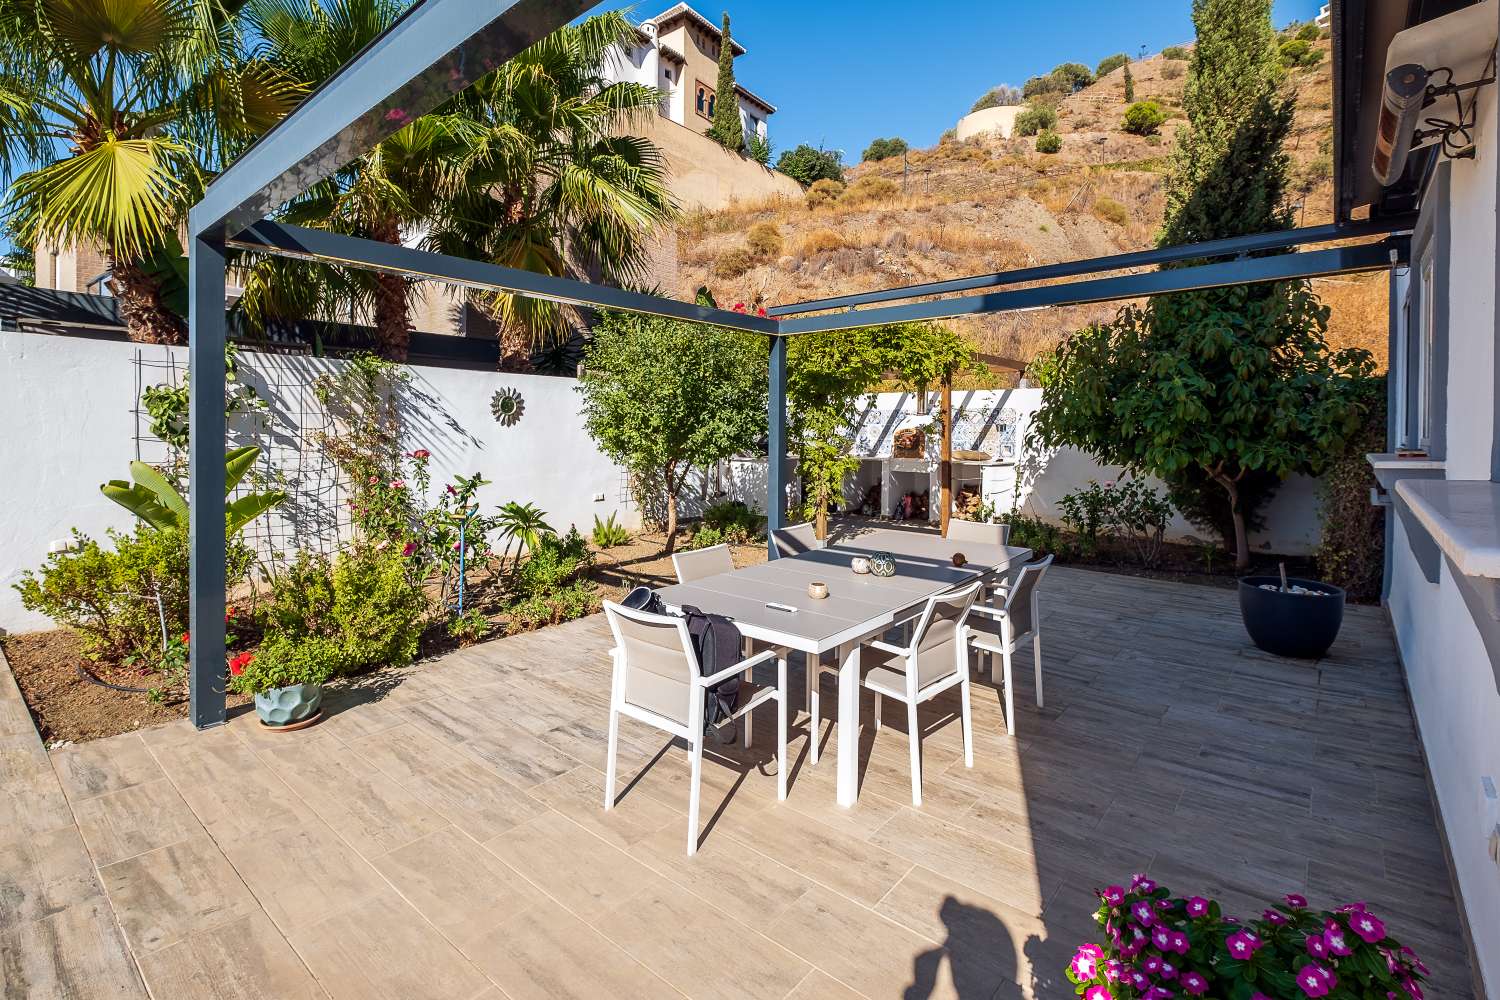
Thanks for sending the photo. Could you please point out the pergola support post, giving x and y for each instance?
(776, 444)
(946, 455)
(206, 334)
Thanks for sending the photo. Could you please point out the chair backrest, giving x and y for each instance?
(937, 631)
(797, 539)
(978, 531)
(659, 663)
(1020, 602)
(697, 564)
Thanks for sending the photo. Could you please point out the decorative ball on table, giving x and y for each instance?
(817, 591)
(883, 564)
(959, 559)
(860, 565)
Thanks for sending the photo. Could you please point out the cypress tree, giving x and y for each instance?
(726, 129)
(1129, 86)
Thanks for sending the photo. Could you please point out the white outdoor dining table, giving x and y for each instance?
(858, 607)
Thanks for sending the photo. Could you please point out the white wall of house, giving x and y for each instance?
(1450, 676)
(68, 405)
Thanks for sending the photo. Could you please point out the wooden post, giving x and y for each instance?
(946, 472)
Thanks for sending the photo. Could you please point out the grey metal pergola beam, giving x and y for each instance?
(1230, 246)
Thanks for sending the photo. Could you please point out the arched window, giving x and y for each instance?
(706, 102)
(702, 99)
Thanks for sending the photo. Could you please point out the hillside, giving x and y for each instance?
(990, 204)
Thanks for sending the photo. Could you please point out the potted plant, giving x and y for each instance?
(1290, 616)
(1159, 946)
(286, 677)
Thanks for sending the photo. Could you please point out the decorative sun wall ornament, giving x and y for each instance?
(507, 406)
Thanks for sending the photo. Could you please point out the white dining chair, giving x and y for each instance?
(935, 660)
(699, 563)
(797, 539)
(1000, 630)
(656, 679)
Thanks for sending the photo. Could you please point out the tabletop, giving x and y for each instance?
(857, 605)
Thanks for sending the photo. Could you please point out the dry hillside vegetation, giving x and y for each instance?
(990, 204)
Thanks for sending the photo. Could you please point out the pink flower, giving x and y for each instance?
(1193, 984)
(1242, 944)
(1113, 970)
(397, 115)
(421, 453)
(1138, 979)
(374, 480)
(1416, 962)
(1140, 883)
(1097, 993)
(1367, 926)
(1296, 900)
(398, 484)
(1161, 936)
(1151, 966)
(1197, 906)
(1144, 912)
(1085, 963)
(408, 549)
(1317, 947)
(1412, 989)
(1315, 980)
(1333, 937)
(1274, 918)
(1179, 942)
(451, 490)
(1114, 895)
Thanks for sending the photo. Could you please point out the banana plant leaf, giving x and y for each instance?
(247, 508)
(141, 502)
(165, 493)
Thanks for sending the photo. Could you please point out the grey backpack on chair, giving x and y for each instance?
(717, 643)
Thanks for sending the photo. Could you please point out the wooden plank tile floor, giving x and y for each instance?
(441, 835)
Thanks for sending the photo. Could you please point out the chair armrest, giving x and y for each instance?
(738, 668)
(985, 609)
(886, 647)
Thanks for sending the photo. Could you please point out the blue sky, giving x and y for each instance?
(842, 73)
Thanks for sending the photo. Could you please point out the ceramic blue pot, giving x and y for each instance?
(286, 705)
(883, 564)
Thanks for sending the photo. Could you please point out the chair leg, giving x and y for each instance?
(609, 760)
(968, 720)
(781, 693)
(748, 717)
(812, 709)
(994, 673)
(1036, 653)
(1010, 696)
(697, 775)
(878, 700)
(916, 753)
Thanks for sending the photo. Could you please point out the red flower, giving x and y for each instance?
(739, 307)
(186, 638)
(238, 664)
(761, 311)
(421, 453)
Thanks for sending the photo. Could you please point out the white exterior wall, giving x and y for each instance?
(1449, 675)
(68, 408)
(752, 112)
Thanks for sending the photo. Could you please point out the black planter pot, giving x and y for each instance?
(1297, 625)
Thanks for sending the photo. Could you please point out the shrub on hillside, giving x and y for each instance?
(820, 240)
(733, 263)
(1111, 211)
(1171, 71)
(764, 239)
(1143, 118)
(870, 188)
(1109, 64)
(1034, 119)
(1177, 52)
(884, 149)
(1003, 96)
(1048, 141)
(1310, 32)
(807, 165)
(824, 192)
(1299, 54)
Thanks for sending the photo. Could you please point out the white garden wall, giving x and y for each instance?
(68, 407)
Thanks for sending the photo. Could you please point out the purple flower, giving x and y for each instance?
(1168, 970)
(1157, 993)
(1295, 900)
(1242, 944)
(1197, 906)
(1152, 965)
(1274, 918)
(1193, 984)
(1162, 937)
(1367, 926)
(1180, 942)
(1333, 937)
(1315, 980)
(1114, 895)
(1144, 912)
(1085, 963)
(1113, 970)
(1416, 962)
(1138, 979)
(1140, 883)
(1412, 989)
(1317, 947)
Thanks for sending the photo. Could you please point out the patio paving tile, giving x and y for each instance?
(571, 865)
(245, 959)
(859, 869)
(579, 795)
(76, 952)
(383, 949)
(819, 985)
(44, 874)
(134, 820)
(476, 800)
(162, 896)
(404, 752)
(105, 766)
(727, 872)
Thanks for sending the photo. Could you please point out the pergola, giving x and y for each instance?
(440, 47)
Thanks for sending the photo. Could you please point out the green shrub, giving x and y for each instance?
(764, 239)
(301, 597)
(608, 534)
(1143, 118)
(824, 192)
(1109, 64)
(1048, 141)
(1177, 52)
(574, 601)
(736, 522)
(884, 149)
(1034, 119)
(707, 536)
(556, 561)
(283, 660)
(870, 188)
(758, 149)
(1032, 533)
(378, 610)
(1310, 32)
(1003, 96)
(469, 627)
(1111, 211)
(733, 263)
(107, 595)
(806, 165)
(1299, 54)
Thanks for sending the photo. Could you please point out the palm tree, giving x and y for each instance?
(553, 183)
(521, 525)
(384, 195)
(117, 109)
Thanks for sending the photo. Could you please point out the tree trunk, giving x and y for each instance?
(820, 522)
(147, 319)
(392, 294)
(1241, 539)
(515, 350)
(671, 521)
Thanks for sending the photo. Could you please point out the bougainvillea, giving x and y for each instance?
(1159, 946)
